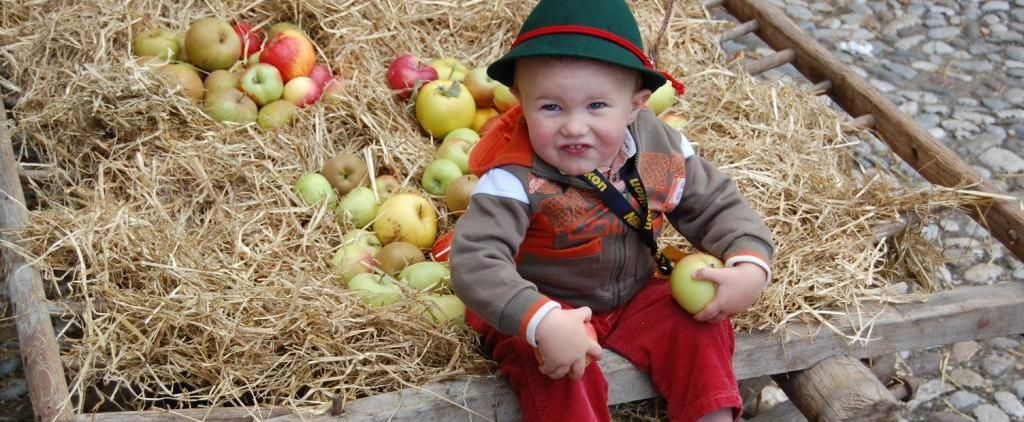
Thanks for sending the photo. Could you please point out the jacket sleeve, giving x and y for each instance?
(486, 240)
(715, 217)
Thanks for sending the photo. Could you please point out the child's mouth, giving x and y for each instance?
(575, 149)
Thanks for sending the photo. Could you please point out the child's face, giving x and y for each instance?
(577, 110)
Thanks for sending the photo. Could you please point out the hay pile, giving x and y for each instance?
(202, 282)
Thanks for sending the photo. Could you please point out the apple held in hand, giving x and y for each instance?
(407, 73)
(449, 69)
(312, 188)
(456, 197)
(443, 106)
(693, 295)
(662, 98)
(456, 150)
(276, 115)
(291, 52)
(230, 105)
(212, 44)
(345, 171)
(443, 308)
(426, 275)
(251, 38)
(375, 289)
(184, 76)
(438, 174)
(262, 82)
(357, 207)
(156, 42)
(395, 256)
(407, 217)
(301, 91)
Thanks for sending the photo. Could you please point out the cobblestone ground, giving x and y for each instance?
(957, 68)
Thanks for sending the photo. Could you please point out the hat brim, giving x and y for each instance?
(573, 45)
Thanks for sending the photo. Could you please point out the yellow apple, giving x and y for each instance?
(442, 308)
(407, 217)
(692, 294)
(662, 98)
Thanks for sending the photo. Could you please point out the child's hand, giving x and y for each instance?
(738, 289)
(564, 344)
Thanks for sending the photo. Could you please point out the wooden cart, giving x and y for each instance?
(821, 374)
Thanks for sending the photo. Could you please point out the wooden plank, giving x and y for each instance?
(220, 414)
(839, 388)
(47, 387)
(947, 317)
(757, 67)
(933, 160)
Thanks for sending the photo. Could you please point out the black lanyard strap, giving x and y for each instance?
(640, 220)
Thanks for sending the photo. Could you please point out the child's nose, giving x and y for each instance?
(573, 127)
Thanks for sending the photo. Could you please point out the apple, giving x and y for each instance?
(456, 150)
(313, 188)
(482, 117)
(407, 73)
(211, 44)
(250, 38)
(693, 295)
(358, 206)
(426, 275)
(662, 98)
(395, 256)
(375, 289)
(449, 69)
(407, 217)
(220, 79)
(442, 247)
(281, 26)
(345, 171)
(333, 90)
(184, 76)
(352, 260)
(262, 82)
(481, 87)
(438, 174)
(443, 106)
(301, 91)
(387, 185)
(156, 42)
(179, 37)
(673, 120)
(459, 191)
(443, 308)
(276, 115)
(291, 52)
(253, 59)
(466, 133)
(364, 238)
(320, 74)
(503, 99)
(230, 105)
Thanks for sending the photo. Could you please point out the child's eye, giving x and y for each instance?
(598, 105)
(550, 107)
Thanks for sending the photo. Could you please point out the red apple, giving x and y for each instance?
(291, 53)
(481, 86)
(333, 89)
(407, 72)
(320, 74)
(251, 38)
(301, 91)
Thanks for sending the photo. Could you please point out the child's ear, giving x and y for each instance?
(639, 101)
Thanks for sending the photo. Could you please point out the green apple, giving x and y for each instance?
(438, 175)
(262, 82)
(407, 217)
(345, 171)
(230, 105)
(693, 295)
(212, 44)
(387, 185)
(462, 133)
(312, 188)
(426, 275)
(443, 308)
(363, 238)
(179, 37)
(375, 289)
(662, 98)
(277, 114)
(358, 207)
(220, 79)
(459, 191)
(184, 76)
(456, 150)
(352, 260)
(155, 42)
(449, 69)
(395, 256)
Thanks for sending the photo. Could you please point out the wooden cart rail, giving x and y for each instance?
(963, 314)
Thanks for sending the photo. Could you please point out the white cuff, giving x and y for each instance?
(732, 262)
(531, 328)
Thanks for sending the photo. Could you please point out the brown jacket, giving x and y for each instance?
(532, 234)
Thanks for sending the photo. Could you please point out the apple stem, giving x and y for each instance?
(453, 90)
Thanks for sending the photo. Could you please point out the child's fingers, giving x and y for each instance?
(595, 352)
(578, 367)
(710, 312)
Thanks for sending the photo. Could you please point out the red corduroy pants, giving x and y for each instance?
(690, 362)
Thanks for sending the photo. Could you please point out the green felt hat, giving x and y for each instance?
(603, 30)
